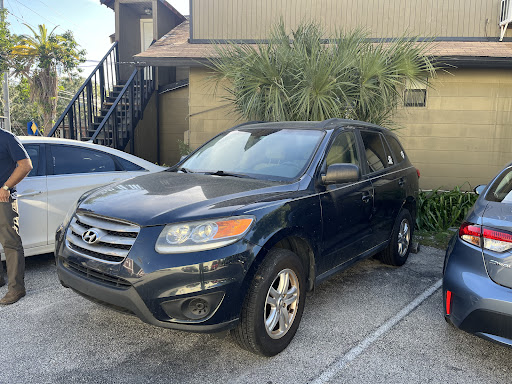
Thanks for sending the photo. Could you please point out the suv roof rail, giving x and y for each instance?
(247, 123)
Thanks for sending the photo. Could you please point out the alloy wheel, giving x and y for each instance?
(281, 304)
(404, 238)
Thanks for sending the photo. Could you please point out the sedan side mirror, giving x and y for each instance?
(479, 189)
(341, 173)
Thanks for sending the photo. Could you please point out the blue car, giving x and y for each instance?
(477, 284)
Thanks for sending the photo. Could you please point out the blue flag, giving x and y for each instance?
(32, 129)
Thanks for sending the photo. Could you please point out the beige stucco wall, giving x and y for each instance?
(146, 140)
(209, 114)
(464, 134)
(249, 19)
(173, 123)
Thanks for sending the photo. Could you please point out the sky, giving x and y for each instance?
(90, 22)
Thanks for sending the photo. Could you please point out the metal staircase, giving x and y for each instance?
(105, 110)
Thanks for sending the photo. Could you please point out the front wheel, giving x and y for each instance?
(274, 304)
(399, 246)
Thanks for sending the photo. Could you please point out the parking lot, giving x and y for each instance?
(372, 323)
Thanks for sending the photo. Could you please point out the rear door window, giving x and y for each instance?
(376, 155)
(68, 159)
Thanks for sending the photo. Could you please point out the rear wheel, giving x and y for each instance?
(274, 304)
(399, 247)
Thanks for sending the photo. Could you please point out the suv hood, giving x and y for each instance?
(166, 197)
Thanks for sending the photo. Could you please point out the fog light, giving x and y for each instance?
(193, 309)
(197, 309)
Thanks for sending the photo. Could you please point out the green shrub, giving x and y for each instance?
(440, 210)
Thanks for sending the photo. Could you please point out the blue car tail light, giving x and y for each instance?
(486, 238)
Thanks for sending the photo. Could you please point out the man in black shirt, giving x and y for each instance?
(14, 166)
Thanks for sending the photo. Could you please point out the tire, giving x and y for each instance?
(399, 246)
(256, 332)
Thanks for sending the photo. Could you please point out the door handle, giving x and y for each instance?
(366, 198)
(401, 181)
(29, 194)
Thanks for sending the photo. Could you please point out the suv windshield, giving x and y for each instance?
(501, 190)
(280, 154)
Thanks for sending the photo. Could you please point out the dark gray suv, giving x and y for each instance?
(233, 236)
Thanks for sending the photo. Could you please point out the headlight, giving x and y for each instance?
(202, 235)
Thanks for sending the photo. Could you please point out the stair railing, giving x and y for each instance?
(118, 125)
(85, 107)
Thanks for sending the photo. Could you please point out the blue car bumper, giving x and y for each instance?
(478, 305)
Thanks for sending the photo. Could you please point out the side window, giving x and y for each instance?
(396, 148)
(69, 159)
(375, 152)
(33, 153)
(343, 150)
(128, 165)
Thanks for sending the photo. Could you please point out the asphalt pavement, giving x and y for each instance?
(370, 324)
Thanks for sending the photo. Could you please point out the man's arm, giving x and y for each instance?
(23, 169)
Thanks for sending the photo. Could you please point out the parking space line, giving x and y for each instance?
(339, 364)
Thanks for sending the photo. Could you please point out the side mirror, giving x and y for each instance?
(341, 173)
(479, 189)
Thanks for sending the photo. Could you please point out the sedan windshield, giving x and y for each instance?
(280, 154)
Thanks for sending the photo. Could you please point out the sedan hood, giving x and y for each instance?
(167, 197)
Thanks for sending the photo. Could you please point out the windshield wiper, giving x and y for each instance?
(222, 173)
(184, 170)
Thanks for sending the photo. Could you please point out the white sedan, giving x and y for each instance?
(63, 171)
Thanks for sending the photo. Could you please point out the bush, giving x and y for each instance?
(440, 210)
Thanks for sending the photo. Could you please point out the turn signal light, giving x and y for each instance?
(488, 238)
(470, 233)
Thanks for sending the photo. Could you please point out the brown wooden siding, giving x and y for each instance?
(252, 19)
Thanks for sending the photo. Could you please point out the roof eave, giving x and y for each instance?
(476, 61)
(455, 61)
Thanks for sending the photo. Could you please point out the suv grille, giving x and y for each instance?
(101, 277)
(109, 240)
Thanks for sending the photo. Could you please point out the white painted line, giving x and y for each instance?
(336, 367)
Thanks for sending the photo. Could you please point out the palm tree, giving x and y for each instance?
(41, 58)
(306, 76)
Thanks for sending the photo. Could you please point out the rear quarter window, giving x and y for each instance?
(396, 149)
(501, 189)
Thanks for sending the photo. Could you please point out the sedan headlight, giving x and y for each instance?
(202, 235)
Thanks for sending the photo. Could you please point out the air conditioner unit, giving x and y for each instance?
(505, 16)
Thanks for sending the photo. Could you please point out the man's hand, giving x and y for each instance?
(23, 169)
(4, 196)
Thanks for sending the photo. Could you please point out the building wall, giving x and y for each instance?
(173, 123)
(209, 114)
(464, 134)
(146, 132)
(128, 36)
(251, 19)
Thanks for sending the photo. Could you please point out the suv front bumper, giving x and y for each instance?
(197, 292)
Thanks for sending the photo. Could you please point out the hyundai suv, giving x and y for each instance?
(234, 235)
